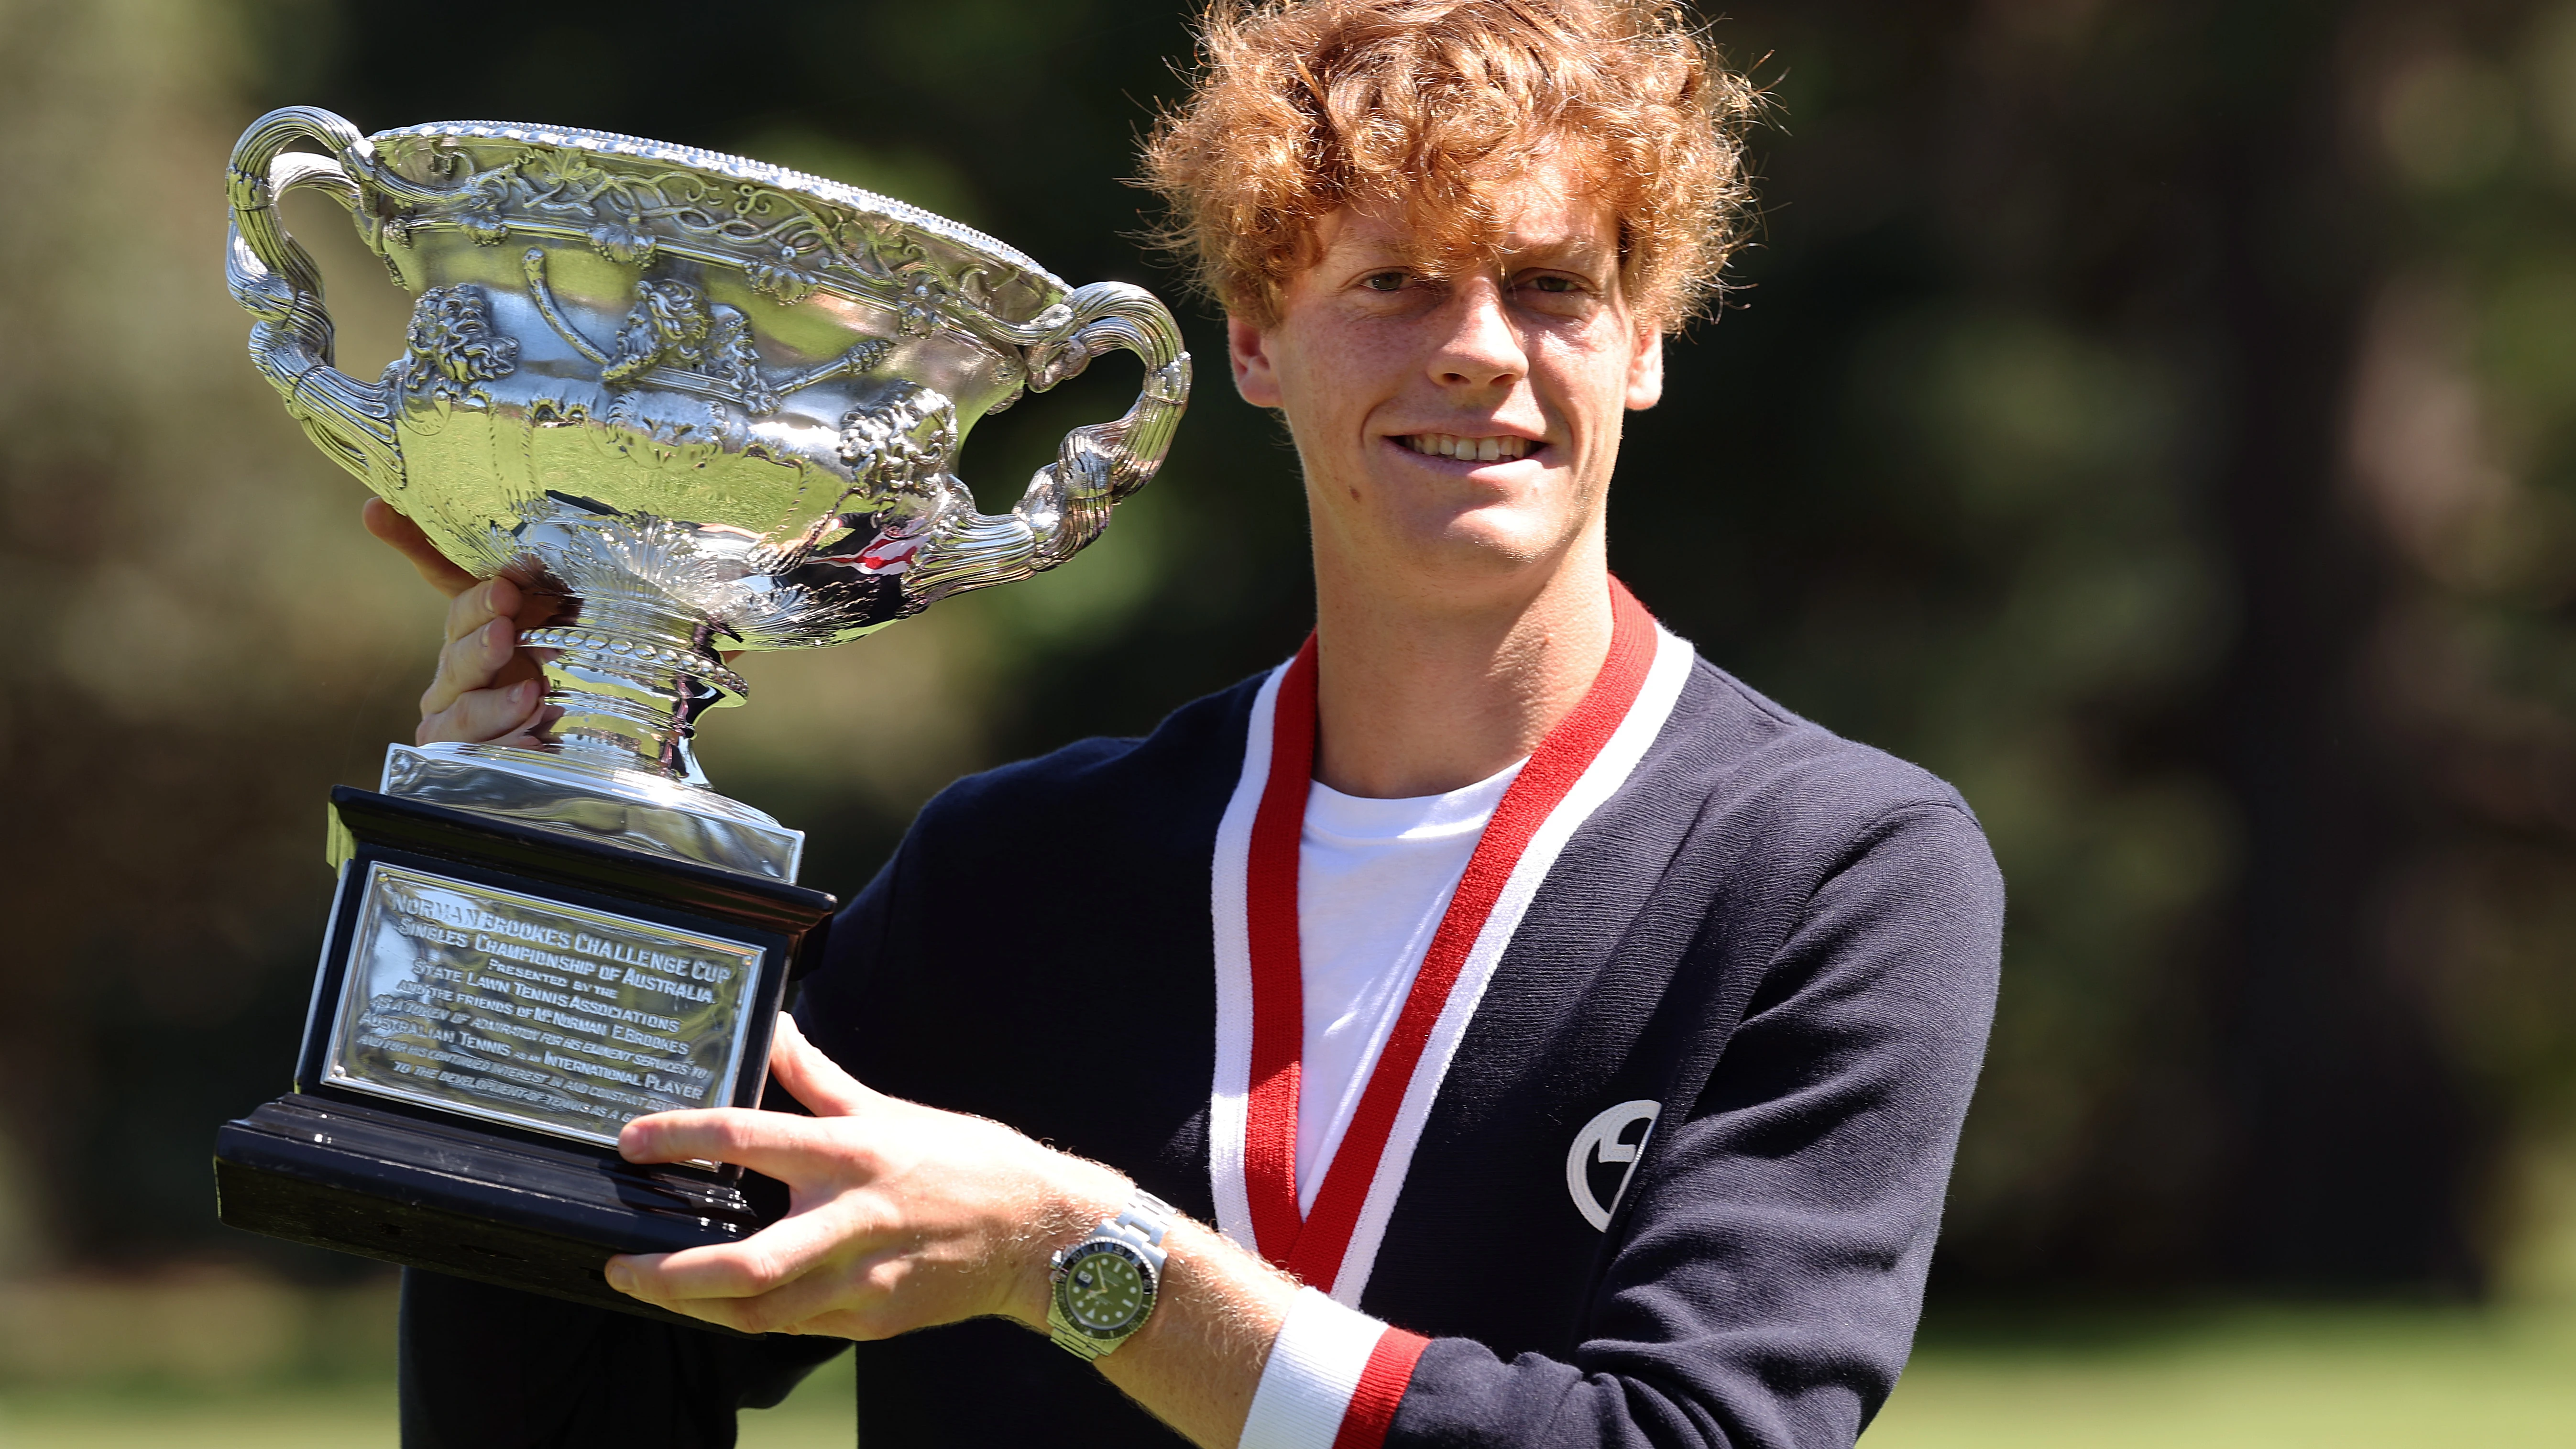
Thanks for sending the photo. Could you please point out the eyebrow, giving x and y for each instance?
(1582, 253)
(1579, 253)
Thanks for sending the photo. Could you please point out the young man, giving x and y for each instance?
(1527, 1034)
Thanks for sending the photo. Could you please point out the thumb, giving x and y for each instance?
(387, 523)
(813, 1078)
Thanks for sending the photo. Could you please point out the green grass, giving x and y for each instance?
(819, 1415)
(2247, 1378)
(2241, 1378)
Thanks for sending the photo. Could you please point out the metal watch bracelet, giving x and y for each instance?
(1136, 1236)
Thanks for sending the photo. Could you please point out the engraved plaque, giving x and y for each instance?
(532, 1012)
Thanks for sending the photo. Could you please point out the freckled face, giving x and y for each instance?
(1456, 429)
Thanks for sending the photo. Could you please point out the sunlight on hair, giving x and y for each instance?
(1436, 107)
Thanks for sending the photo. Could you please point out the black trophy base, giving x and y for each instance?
(507, 1211)
(430, 1168)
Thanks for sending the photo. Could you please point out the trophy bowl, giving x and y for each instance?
(709, 405)
(714, 404)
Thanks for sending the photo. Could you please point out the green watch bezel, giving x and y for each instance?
(1071, 1320)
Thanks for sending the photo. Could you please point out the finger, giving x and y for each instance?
(505, 714)
(480, 659)
(501, 597)
(763, 1264)
(813, 1078)
(831, 1299)
(779, 1144)
(803, 1305)
(722, 1312)
(537, 732)
(386, 522)
(534, 735)
(758, 1314)
(492, 598)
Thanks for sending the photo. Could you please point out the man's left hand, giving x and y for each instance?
(900, 1216)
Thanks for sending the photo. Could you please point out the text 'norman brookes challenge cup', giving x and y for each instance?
(713, 405)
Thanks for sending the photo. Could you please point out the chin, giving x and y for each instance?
(1479, 546)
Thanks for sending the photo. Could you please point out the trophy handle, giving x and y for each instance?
(1067, 504)
(274, 279)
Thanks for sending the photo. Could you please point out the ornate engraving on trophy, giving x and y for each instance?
(553, 189)
(673, 337)
(534, 1013)
(451, 350)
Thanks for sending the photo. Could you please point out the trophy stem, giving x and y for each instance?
(631, 681)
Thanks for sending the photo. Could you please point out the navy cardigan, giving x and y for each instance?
(1785, 941)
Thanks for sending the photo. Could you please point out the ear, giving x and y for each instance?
(1646, 370)
(1247, 350)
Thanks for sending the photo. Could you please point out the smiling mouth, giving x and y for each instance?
(1472, 450)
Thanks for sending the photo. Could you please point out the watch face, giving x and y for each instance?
(1104, 1290)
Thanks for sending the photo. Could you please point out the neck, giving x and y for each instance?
(1420, 691)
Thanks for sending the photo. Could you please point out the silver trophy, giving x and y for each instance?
(713, 405)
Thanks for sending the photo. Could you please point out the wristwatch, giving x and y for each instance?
(1105, 1284)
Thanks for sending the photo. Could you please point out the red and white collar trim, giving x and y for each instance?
(1253, 898)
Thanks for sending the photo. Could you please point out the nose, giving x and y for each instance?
(1480, 348)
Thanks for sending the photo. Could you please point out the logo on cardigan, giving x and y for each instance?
(1606, 1141)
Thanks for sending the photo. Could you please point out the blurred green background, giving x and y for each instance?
(2156, 416)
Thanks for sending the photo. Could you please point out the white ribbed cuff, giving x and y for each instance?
(1314, 1368)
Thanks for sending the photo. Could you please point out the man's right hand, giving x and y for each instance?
(488, 689)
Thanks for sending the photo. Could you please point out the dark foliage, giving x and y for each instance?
(2060, 440)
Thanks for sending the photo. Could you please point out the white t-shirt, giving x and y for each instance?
(1374, 878)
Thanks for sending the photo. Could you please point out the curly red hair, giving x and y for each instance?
(1434, 107)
